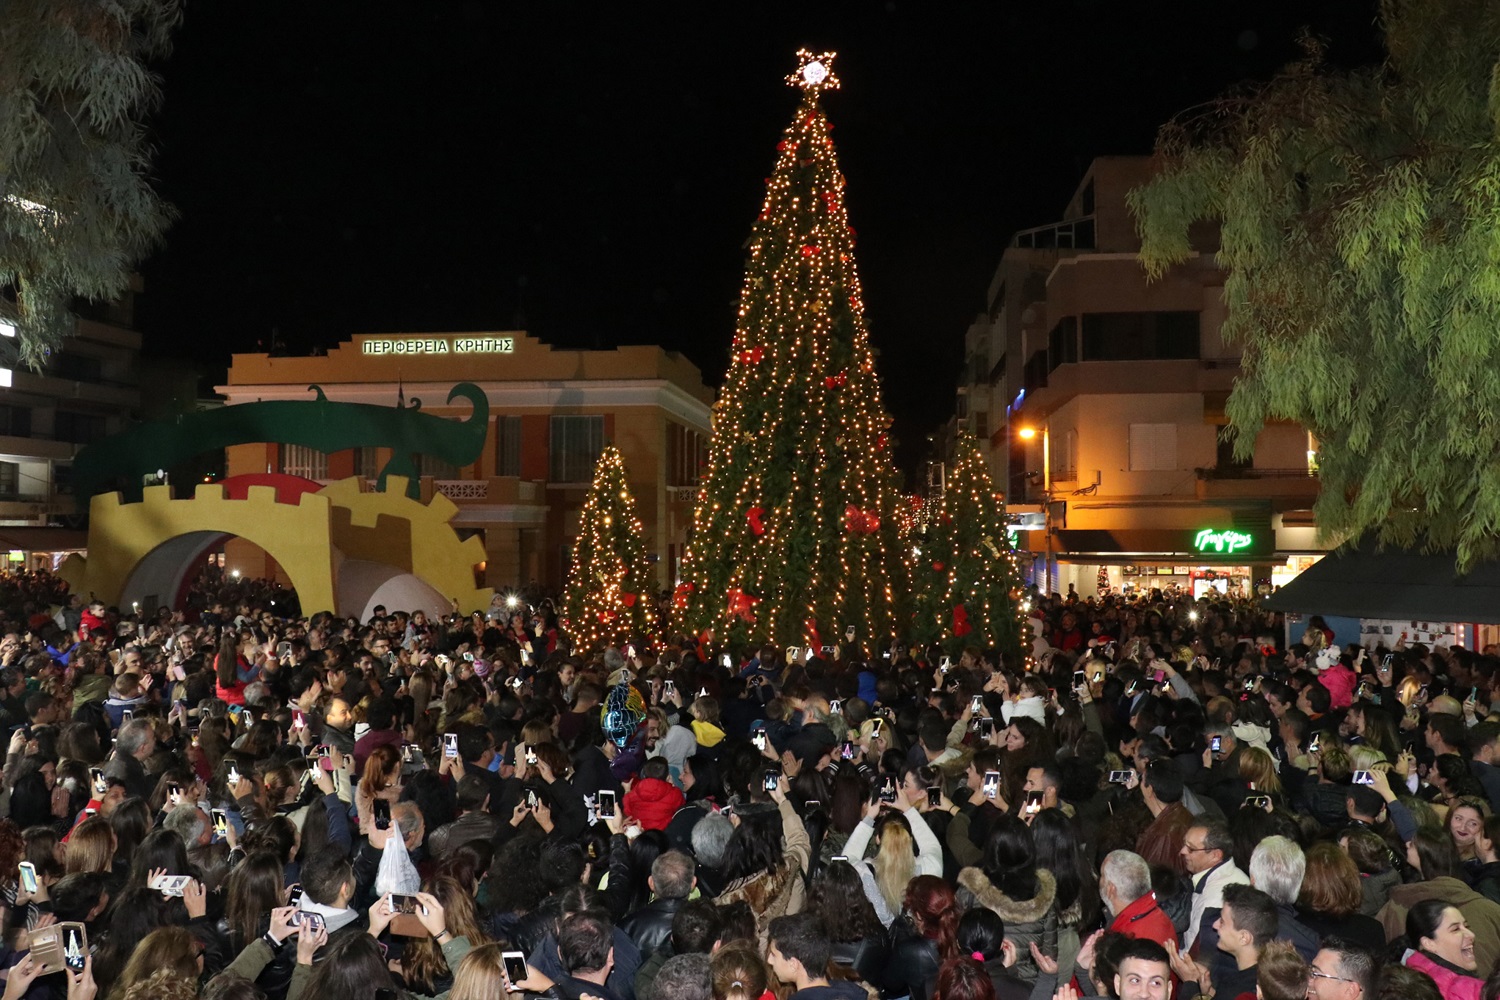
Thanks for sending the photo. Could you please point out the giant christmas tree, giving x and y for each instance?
(967, 585)
(794, 533)
(610, 587)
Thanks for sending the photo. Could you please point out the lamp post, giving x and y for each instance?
(1027, 434)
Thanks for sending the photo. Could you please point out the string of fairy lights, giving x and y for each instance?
(794, 529)
(610, 584)
(961, 557)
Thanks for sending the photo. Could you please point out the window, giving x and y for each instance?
(62, 478)
(574, 448)
(1062, 343)
(981, 425)
(1224, 458)
(1153, 447)
(77, 428)
(367, 463)
(507, 446)
(1140, 336)
(997, 305)
(686, 453)
(1065, 456)
(15, 421)
(427, 465)
(78, 367)
(10, 479)
(300, 460)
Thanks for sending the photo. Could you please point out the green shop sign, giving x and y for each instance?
(1222, 542)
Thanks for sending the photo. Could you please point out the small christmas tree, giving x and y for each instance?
(609, 585)
(794, 532)
(968, 588)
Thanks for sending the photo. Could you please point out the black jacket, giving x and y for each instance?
(649, 926)
(1007, 986)
(470, 826)
(911, 968)
(276, 977)
(867, 957)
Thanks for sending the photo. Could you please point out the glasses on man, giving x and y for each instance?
(1314, 972)
(1193, 850)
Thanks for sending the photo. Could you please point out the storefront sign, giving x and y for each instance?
(1222, 542)
(438, 345)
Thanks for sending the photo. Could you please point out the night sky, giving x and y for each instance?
(590, 172)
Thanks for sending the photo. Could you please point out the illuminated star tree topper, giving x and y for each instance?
(814, 72)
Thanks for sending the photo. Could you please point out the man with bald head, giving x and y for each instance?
(1446, 704)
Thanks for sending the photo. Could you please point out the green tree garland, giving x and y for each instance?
(610, 588)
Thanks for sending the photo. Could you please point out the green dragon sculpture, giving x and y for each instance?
(123, 461)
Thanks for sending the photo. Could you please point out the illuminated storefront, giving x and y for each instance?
(1217, 557)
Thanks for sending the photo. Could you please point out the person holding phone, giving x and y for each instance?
(771, 852)
(902, 852)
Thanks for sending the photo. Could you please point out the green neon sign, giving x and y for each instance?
(1222, 542)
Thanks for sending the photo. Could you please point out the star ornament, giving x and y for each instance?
(814, 72)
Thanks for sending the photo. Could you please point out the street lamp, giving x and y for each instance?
(1028, 433)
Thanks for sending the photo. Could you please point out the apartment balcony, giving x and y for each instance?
(102, 392)
(33, 506)
(35, 446)
(1298, 486)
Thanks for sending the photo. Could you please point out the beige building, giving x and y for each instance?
(551, 412)
(1101, 397)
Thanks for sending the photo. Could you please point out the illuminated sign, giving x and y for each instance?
(1222, 542)
(438, 345)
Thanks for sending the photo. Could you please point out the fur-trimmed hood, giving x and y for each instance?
(1017, 911)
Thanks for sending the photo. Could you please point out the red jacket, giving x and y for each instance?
(91, 626)
(653, 802)
(1145, 920)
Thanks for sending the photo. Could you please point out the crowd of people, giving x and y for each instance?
(1161, 798)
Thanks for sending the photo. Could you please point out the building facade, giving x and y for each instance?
(551, 412)
(86, 391)
(1101, 396)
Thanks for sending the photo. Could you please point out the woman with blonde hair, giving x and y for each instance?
(166, 948)
(905, 847)
(422, 962)
(1258, 768)
(91, 847)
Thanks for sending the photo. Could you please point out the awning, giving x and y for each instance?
(43, 539)
(1398, 584)
(1206, 545)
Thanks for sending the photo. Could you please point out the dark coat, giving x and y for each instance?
(470, 826)
(649, 926)
(912, 965)
(1026, 920)
(866, 956)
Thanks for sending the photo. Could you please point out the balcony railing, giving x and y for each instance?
(11, 496)
(463, 489)
(1231, 472)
